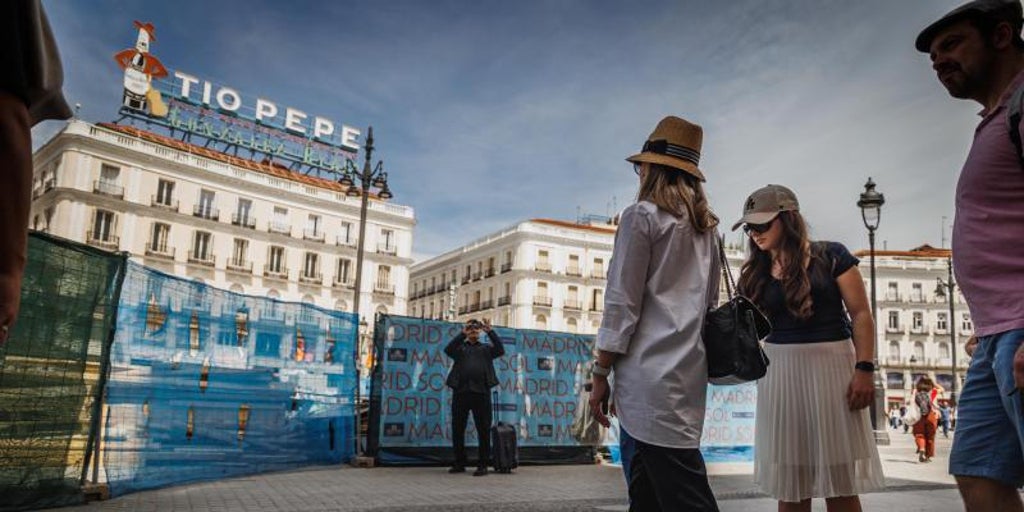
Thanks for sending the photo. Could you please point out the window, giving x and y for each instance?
(243, 212)
(894, 350)
(276, 261)
(919, 352)
(345, 234)
(239, 252)
(311, 267)
(941, 321)
(574, 265)
(102, 226)
(894, 321)
(158, 238)
(916, 293)
(387, 241)
(598, 271)
(384, 278)
(541, 322)
(917, 320)
(48, 216)
(313, 228)
(109, 175)
(892, 292)
(572, 300)
(268, 344)
(344, 270)
(965, 323)
(944, 350)
(206, 198)
(279, 223)
(570, 325)
(201, 246)
(165, 192)
(597, 304)
(542, 261)
(431, 314)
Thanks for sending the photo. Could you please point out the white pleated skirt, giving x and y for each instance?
(808, 444)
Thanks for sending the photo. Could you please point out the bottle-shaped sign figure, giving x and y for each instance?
(140, 68)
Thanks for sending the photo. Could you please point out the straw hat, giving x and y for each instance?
(675, 143)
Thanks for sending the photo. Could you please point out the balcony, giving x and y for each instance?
(487, 304)
(463, 310)
(539, 300)
(504, 301)
(344, 282)
(489, 272)
(236, 265)
(163, 203)
(205, 259)
(506, 267)
(573, 271)
(311, 278)
(465, 279)
(108, 189)
(279, 227)
(597, 308)
(891, 297)
(598, 273)
(478, 276)
(244, 220)
(345, 241)
(391, 250)
(543, 267)
(474, 307)
(275, 272)
(893, 328)
(917, 297)
(206, 212)
(572, 304)
(160, 251)
(106, 241)
(313, 234)
(384, 288)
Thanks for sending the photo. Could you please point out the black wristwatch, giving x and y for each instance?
(865, 366)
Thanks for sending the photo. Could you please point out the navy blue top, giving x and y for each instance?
(830, 321)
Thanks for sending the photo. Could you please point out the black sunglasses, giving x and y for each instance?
(758, 228)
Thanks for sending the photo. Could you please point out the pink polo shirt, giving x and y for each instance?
(988, 232)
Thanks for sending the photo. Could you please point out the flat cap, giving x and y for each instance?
(1000, 10)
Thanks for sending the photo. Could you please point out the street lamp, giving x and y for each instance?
(870, 205)
(946, 288)
(360, 184)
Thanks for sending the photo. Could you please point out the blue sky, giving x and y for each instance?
(490, 112)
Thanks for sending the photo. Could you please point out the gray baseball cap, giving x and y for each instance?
(765, 203)
(1000, 10)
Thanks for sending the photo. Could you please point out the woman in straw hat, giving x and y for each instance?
(813, 436)
(658, 290)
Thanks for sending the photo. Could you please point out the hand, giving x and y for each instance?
(861, 390)
(487, 325)
(10, 303)
(599, 393)
(1018, 367)
(972, 343)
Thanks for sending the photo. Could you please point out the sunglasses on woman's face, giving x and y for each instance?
(758, 228)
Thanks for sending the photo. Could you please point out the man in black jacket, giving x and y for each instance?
(471, 379)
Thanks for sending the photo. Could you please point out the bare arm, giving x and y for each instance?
(15, 201)
(861, 389)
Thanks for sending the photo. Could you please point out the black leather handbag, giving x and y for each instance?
(732, 335)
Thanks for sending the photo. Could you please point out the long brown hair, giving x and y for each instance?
(795, 253)
(678, 193)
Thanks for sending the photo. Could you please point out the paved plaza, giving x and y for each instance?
(911, 486)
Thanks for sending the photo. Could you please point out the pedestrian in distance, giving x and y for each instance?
(944, 419)
(662, 278)
(31, 78)
(894, 418)
(471, 378)
(903, 414)
(813, 435)
(926, 427)
(977, 53)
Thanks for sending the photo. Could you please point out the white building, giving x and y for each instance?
(537, 274)
(250, 227)
(914, 326)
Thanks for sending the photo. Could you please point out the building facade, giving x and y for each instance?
(916, 335)
(249, 227)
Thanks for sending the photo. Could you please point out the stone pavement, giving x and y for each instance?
(912, 486)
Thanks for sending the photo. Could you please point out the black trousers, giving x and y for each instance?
(669, 479)
(480, 405)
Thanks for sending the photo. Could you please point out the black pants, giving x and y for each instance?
(480, 405)
(669, 479)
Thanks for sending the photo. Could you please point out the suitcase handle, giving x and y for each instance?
(494, 406)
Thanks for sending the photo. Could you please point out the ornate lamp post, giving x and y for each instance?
(360, 184)
(946, 288)
(870, 205)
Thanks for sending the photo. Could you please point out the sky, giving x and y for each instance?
(488, 113)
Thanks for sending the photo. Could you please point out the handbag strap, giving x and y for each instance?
(730, 285)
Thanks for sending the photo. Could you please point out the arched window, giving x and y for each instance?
(570, 325)
(944, 350)
(341, 305)
(919, 351)
(237, 288)
(894, 350)
(541, 322)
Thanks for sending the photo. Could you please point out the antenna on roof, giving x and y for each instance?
(943, 237)
(578, 214)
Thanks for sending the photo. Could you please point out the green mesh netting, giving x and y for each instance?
(49, 370)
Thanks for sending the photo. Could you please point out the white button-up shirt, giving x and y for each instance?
(662, 278)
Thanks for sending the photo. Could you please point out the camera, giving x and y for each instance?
(474, 324)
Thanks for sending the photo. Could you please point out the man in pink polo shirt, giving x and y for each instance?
(977, 53)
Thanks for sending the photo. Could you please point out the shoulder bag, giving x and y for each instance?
(732, 335)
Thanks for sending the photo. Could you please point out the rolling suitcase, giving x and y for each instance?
(504, 443)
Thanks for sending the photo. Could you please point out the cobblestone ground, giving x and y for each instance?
(531, 488)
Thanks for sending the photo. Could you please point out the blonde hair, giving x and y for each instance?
(678, 193)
